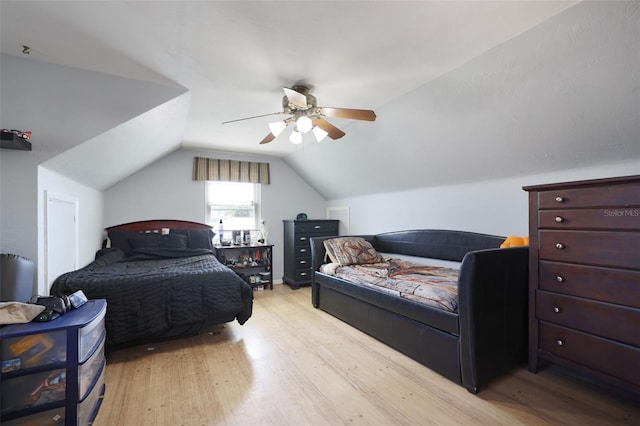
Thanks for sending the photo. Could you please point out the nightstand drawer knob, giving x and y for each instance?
(303, 250)
(559, 246)
(559, 199)
(560, 342)
(303, 238)
(556, 309)
(317, 227)
(303, 262)
(559, 279)
(559, 219)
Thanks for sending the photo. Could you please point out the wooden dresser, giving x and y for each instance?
(584, 278)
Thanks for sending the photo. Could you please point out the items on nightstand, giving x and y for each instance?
(252, 263)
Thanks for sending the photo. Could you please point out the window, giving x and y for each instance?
(237, 204)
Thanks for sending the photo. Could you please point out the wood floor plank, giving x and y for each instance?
(291, 364)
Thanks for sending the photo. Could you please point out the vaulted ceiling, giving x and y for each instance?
(419, 65)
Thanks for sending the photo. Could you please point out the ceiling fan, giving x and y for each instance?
(308, 116)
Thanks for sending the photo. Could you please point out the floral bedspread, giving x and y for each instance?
(431, 285)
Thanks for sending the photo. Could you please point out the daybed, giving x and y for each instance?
(159, 286)
(482, 338)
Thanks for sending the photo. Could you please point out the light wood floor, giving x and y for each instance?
(291, 364)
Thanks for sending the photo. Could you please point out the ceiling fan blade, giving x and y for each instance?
(255, 116)
(296, 98)
(353, 114)
(332, 131)
(267, 138)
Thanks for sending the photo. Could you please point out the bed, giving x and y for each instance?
(161, 279)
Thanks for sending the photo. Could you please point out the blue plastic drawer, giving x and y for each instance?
(33, 390)
(49, 417)
(33, 350)
(88, 371)
(88, 408)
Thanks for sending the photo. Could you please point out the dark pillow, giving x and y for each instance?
(120, 239)
(200, 238)
(145, 241)
(196, 238)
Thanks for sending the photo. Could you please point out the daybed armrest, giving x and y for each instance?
(317, 259)
(492, 305)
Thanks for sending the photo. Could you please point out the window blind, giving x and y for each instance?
(230, 170)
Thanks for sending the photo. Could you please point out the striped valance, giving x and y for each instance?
(230, 170)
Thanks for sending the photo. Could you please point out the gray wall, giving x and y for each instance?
(498, 207)
(63, 107)
(165, 190)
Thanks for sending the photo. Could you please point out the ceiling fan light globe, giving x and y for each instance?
(277, 127)
(319, 133)
(304, 124)
(295, 138)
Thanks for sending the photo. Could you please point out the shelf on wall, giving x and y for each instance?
(13, 141)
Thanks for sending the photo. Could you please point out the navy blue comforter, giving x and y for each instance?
(159, 293)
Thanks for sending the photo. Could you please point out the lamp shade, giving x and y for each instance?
(319, 133)
(277, 127)
(304, 124)
(296, 137)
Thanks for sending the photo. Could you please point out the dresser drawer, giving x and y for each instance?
(622, 286)
(618, 249)
(603, 355)
(619, 194)
(303, 274)
(302, 250)
(302, 262)
(607, 320)
(316, 227)
(603, 218)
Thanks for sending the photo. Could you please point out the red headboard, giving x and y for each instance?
(157, 225)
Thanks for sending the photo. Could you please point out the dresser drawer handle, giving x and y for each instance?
(559, 279)
(303, 262)
(317, 227)
(303, 274)
(560, 199)
(560, 342)
(556, 309)
(303, 250)
(559, 219)
(559, 246)
(303, 238)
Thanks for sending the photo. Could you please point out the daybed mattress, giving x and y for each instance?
(433, 286)
(159, 293)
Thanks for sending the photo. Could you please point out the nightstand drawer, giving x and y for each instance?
(619, 194)
(600, 354)
(617, 249)
(623, 286)
(615, 322)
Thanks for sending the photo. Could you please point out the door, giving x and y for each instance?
(61, 244)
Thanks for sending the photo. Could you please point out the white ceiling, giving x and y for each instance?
(235, 56)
